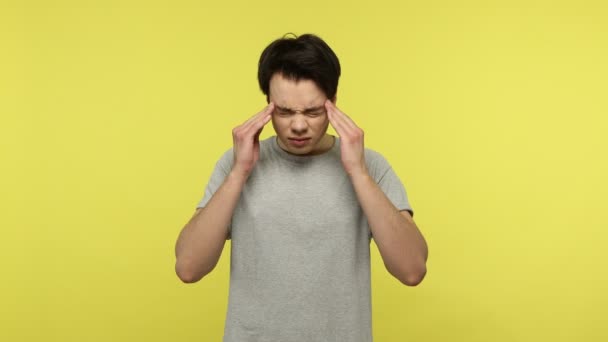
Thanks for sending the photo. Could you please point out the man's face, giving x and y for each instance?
(299, 118)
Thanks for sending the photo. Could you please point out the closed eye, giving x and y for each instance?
(316, 113)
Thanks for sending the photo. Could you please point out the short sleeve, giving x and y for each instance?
(388, 181)
(393, 188)
(220, 171)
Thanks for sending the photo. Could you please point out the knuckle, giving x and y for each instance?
(240, 135)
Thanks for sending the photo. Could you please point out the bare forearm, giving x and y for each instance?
(201, 241)
(401, 245)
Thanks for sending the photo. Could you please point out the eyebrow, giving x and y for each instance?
(307, 110)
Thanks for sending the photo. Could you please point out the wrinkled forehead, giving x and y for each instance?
(296, 95)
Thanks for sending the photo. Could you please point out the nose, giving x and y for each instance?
(299, 124)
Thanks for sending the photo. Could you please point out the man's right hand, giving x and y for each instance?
(246, 140)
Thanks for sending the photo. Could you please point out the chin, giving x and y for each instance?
(299, 151)
(307, 151)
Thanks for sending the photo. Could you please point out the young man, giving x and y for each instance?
(301, 208)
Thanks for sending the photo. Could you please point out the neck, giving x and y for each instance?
(327, 142)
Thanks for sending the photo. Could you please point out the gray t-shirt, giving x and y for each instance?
(300, 261)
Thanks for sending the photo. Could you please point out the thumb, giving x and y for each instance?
(256, 137)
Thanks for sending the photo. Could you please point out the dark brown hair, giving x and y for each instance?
(305, 57)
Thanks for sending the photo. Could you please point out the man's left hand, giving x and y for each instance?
(351, 140)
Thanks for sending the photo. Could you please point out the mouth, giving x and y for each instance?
(299, 141)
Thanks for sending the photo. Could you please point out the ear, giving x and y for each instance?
(334, 99)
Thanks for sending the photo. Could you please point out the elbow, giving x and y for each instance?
(411, 277)
(188, 278)
(188, 274)
(414, 278)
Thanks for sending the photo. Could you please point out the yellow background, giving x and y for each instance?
(493, 114)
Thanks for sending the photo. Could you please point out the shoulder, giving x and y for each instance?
(373, 155)
(226, 160)
(375, 158)
(377, 164)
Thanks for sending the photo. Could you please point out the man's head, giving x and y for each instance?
(299, 75)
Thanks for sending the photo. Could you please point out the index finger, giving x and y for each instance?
(340, 116)
(262, 116)
(266, 111)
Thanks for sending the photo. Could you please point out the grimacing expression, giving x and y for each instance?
(299, 118)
